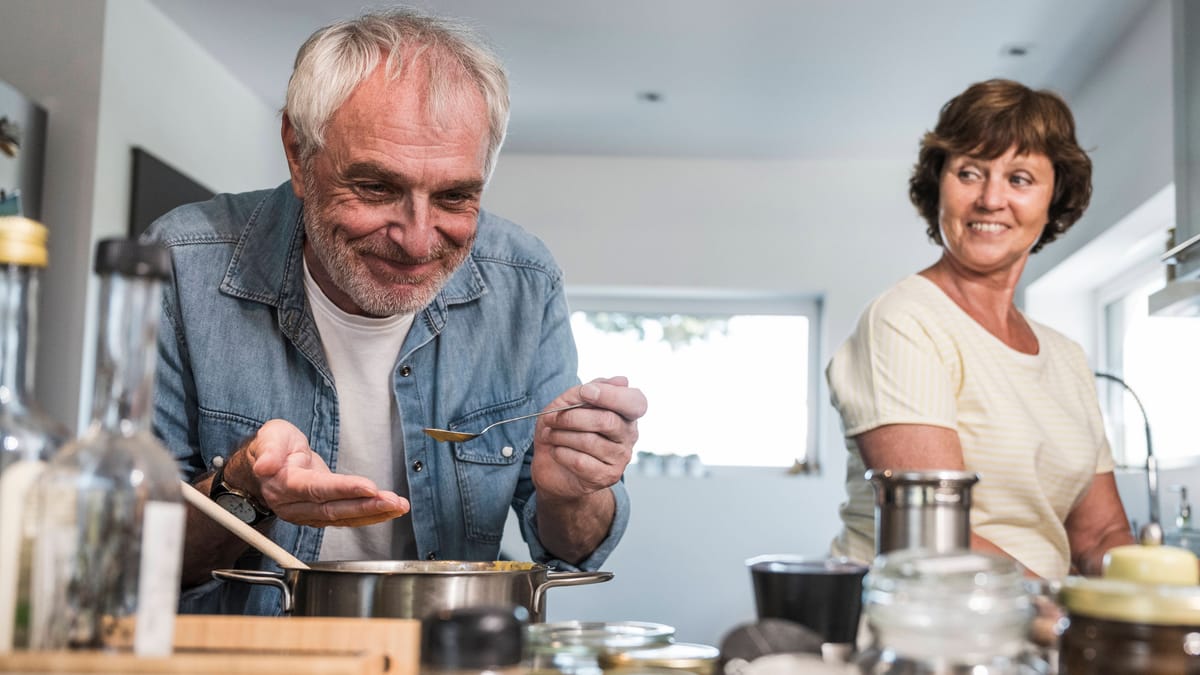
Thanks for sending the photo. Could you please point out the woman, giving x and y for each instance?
(943, 371)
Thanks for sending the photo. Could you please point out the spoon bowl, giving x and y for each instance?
(448, 436)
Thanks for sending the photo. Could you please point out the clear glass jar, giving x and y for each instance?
(948, 613)
(577, 647)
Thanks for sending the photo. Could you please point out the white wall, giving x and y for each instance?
(50, 51)
(114, 75)
(843, 229)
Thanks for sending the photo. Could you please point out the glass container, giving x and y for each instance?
(577, 647)
(953, 612)
(28, 437)
(110, 507)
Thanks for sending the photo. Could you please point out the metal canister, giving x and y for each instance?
(922, 509)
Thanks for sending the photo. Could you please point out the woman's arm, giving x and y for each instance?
(920, 447)
(1096, 524)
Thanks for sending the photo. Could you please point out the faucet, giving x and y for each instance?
(1151, 532)
(1183, 519)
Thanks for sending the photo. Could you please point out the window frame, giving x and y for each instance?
(725, 302)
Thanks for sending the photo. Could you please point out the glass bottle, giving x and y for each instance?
(951, 612)
(111, 514)
(27, 435)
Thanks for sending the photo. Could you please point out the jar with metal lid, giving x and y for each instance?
(679, 658)
(576, 647)
(951, 612)
(1143, 617)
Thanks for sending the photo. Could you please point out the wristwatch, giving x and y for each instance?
(238, 502)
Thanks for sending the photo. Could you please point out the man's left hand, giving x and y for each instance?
(585, 450)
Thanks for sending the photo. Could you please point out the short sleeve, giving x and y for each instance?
(892, 370)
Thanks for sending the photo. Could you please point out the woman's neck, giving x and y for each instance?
(986, 298)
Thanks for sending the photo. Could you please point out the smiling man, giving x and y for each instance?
(312, 331)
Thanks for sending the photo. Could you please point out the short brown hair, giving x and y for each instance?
(985, 121)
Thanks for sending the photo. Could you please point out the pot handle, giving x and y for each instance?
(260, 578)
(565, 579)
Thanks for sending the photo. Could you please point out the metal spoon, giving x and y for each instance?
(461, 436)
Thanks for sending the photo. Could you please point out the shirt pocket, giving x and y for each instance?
(221, 433)
(488, 468)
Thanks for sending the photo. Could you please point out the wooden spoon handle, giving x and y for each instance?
(246, 533)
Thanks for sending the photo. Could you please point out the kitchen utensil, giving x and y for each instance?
(411, 588)
(955, 612)
(449, 436)
(246, 533)
(823, 594)
(922, 509)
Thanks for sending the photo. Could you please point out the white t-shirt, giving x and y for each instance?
(1029, 424)
(362, 353)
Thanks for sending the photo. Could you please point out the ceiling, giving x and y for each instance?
(779, 79)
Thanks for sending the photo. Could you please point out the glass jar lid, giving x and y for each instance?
(600, 634)
(686, 656)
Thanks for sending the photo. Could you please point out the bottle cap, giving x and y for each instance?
(473, 638)
(132, 258)
(22, 241)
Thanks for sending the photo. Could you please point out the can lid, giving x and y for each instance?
(933, 477)
(131, 258)
(695, 658)
(22, 241)
(1132, 602)
(474, 638)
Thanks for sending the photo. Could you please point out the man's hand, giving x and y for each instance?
(582, 451)
(578, 455)
(279, 469)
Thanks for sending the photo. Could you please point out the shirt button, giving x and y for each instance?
(405, 371)
(417, 466)
(507, 451)
(431, 556)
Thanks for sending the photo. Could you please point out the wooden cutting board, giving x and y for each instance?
(256, 646)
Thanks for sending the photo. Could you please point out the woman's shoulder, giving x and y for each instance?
(913, 300)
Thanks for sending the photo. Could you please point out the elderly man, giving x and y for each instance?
(313, 330)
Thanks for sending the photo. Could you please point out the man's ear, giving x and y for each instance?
(291, 149)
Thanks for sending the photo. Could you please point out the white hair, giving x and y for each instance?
(336, 59)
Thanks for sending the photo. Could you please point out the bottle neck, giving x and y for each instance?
(18, 321)
(126, 354)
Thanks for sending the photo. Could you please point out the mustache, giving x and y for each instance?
(394, 252)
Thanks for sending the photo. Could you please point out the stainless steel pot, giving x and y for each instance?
(922, 509)
(411, 588)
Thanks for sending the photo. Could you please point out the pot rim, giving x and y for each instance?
(423, 567)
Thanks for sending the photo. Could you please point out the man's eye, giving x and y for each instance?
(373, 189)
(456, 199)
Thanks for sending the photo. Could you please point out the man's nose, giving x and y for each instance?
(412, 228)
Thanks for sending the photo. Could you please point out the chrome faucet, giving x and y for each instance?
(1151, 532)
(1183, 519)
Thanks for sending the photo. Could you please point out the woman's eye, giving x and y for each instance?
(968, 174)
(1021, 181)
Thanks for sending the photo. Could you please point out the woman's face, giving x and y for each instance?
(993, 211)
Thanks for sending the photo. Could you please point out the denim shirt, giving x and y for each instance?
(238, 346)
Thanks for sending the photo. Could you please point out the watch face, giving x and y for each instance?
(238, 506)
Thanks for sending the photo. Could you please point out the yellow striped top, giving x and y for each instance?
(1029, 425)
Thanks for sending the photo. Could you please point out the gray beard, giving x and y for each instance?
(344, 266)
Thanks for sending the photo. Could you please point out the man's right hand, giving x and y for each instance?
(278, 467)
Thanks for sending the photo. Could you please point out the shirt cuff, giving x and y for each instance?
(593, 562)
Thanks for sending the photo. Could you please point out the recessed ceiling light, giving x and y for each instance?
(650, 96)
(1016, 49)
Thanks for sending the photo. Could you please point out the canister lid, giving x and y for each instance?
(685, 656)
(22, 241)
(473, 638)
(1132, 602)
(132, 258)
(602, 635)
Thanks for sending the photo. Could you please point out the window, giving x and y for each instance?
(732, 379)
(1155, 356)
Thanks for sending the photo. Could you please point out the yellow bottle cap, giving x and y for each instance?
(22, 241)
